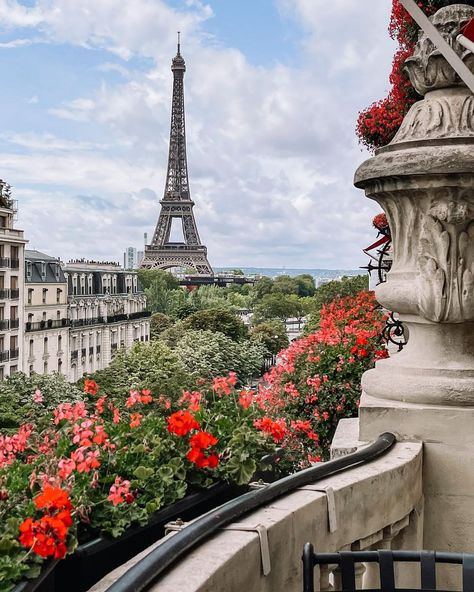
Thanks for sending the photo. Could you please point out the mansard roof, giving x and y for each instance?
(53, 273)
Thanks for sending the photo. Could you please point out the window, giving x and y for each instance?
(14, 282)
(13, 342)
(58, 315)
(14, 252)
(74, 284)
(45, 294)
(89, 284)
(13, 312)
(30, 295)
(60, 366)
(45, 368)
(31, 371)
(57, 270)
(43, 270)
(45, 346)
(31, 348)
(30, 317)
(28, 270)
(44, 317)
(2, 373)
(60, 342)
(58, 296)
(13, 369)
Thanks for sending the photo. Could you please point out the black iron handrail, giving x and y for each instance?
(146, 571)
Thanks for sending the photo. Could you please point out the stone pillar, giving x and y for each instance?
(424, 181)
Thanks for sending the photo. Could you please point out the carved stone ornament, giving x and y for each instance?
(424, 181)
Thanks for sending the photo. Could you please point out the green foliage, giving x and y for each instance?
(346, 286)
(17, 405)
(146, 365)
(263, 287)
(272, 334)
(207, 354)
(148, 276)
(217, 319)
(285, 284)
(158, 323)
(279, 306)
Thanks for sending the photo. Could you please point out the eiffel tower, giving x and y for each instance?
(176, 202)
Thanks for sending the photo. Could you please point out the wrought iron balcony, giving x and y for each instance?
(4, 324)
(4, 262)
(49, 324)
(14, 323)
(14, 293)
(86, 322)
(4, 356)
(14, 353)
(117, 318)
(14, 264)
(143, 314)
(4, 293)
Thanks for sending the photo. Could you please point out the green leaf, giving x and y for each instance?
(142, 472)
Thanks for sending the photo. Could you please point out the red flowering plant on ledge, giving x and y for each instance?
(317, 381)
(103, 464)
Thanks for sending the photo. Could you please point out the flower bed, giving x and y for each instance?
(103, 464)
(317, 381)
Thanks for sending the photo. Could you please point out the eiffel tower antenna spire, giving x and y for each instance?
(176, 203)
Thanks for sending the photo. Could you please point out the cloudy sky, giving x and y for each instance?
(273, 88)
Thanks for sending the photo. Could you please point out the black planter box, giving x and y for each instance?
(93, 560)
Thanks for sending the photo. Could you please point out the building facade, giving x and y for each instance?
(12, 246)
(46, 336)
(106, 312)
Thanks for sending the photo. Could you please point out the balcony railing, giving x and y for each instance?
(14, 353)
(14, 323)
(4, 324)
(86, 322)
(49, 324)
(117, 318)
(14, 293)
(14, 264)
(4, 262)
(4, 293)
(4, 356)
(143, 314)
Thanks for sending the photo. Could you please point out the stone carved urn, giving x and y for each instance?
(424, 181)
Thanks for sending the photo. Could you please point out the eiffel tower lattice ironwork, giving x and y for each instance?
(176, 202)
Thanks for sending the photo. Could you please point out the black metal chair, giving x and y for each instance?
(347, 559)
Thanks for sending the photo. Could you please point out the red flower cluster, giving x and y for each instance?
(136, 397)
(380, 221)
(181, 423)
(317, 379)
(10, 446)
(91, 387)
(47, 536)
(277, 429)
(223, 384)
(120, 492)
(200, 442)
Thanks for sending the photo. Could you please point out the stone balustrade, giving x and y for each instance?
(378, 505)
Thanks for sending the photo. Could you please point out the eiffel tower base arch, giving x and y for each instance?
(162, 258)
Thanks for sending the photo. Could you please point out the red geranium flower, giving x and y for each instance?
(181, 423)
(52, 499)
(91, 387)
(203, 440)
